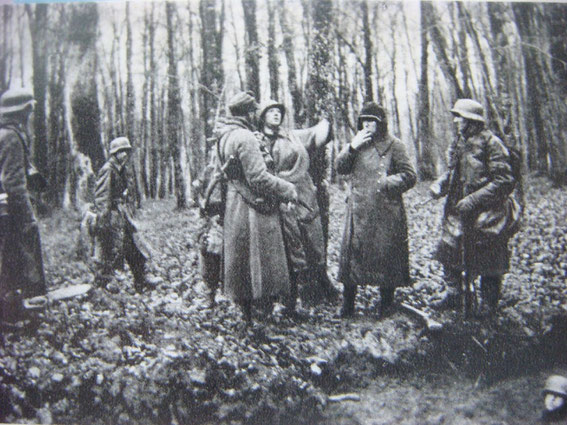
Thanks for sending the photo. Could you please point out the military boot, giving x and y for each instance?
(325, 284)
(387, 305)
(141, 282)
(490, 292)
(290, 302)
(11, 307)
(349, 295)
(451, 297)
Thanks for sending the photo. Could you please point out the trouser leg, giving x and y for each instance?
(110, 241)
(21, 265)
(451, 297)
(325, 283)
(33, 274)
(246, 307)
(349, 295)
(21, 257)
(136, 261)
(490, 287)
(10, 297)
(386, 297)
(291, 299)
(6, 280)
(210, 265)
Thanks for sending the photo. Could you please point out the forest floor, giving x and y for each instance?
(166, 356)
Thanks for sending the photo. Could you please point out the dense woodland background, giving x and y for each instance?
(160, 73)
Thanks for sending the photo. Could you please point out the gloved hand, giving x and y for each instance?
(362, 137)
(435, 190)
(465, 206)
(294, 195)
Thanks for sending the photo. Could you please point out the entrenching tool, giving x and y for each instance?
(431, 324)
(58, 294)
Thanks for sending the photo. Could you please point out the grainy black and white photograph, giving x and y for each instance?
(279, 212)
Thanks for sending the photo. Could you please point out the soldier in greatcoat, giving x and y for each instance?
(255, 266)
(303, 230)
(374, 249)
(21, 262)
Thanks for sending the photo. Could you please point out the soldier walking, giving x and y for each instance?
(115, 225)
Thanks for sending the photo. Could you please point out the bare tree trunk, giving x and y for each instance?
(558, 31)
(294, 88)
(273, 61)
(425, 164)
(319, 96)
(393, 58)
(462, 49)
(510, 78)
(38, 30)
(134, 184)
(491, 93)
(367, 52)
(524, 15)
(252, 57)
(344, 96)
(20, 28)
(58, 148)
(237, 49)
(155, 124)
(115, 101)
(6, 47)
(174, 108)
(547, 108)
(440, 48)
(196, 148)
(84, 99)
(163, 151)
(212, 75)
(144, 121)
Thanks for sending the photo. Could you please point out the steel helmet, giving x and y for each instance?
(556, 384)
(119, 144)
(15, 100)
(469, 109)
(268, 104)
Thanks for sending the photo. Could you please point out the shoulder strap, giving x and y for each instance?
(20, 136)
(23, 142)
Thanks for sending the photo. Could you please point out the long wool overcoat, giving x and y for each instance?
(21, 262)
(479, 169)
(374, 248)
(303, 231)
(254, 260)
